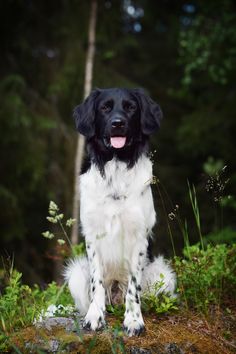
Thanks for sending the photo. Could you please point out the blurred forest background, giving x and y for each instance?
(182, 52)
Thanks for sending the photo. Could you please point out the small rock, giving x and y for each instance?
(135, 350)
(173, 348)
(51, 346)
(50, 322)
(54, 345)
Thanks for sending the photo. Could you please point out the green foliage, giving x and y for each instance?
(195, 208)
(228, 201)
(116, 310)
(157, 301)
(203, 41)
(207, 272)
(226, 235)
(213, 167)
(21, 153)
(117, 345)
(53, 295)
(78, 250)
(17, 305)
(206, 276)
(20, 305)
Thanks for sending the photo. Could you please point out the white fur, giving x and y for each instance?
(117, 216)
(158, 270)
(77, 274)
(123, 220)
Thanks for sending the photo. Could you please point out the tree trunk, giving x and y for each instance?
(81, 141)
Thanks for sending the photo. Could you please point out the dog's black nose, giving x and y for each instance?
(117, 123)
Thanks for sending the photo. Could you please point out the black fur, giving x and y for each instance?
(116, 112)
(140, 117)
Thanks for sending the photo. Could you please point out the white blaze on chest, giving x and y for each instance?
(117, 209)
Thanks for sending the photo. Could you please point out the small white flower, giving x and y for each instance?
(70, 222)
(52, 212)
(51, 219)
(53, 206)
(48, 235)
(59, 217)
(171, 216)
(61, 242)
(53, 311)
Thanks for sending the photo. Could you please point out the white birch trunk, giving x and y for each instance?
(81, 141)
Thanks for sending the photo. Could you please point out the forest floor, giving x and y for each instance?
(182, 333)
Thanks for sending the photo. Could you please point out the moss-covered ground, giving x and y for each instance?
(181, 333)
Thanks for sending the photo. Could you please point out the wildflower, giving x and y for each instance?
(48, 235)
(171, 216)
(54, 311)
(59, 217)
(70, 222)
(51, 219)
(53, 206)
(224, 168)
(152, 155)
(52, 212)
(216, 184)
(61, 242)
(155, 180)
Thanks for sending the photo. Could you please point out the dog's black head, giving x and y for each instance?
(117, 121)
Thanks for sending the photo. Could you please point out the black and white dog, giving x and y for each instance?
(117, 212)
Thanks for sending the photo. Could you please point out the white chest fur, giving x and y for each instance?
(117, 209)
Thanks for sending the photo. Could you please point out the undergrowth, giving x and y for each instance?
(206, 276)
(21, 305)
(158, 302)
(206, 271)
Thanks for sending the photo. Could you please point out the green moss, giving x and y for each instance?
(182, 331)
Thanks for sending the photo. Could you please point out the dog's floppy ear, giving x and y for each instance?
(84, 115)
(151, 113)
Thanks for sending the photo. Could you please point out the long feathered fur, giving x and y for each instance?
(117, 212)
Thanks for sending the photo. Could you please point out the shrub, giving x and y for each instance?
(20, 305)
(206, 276)
(226, 235)
(158, 302)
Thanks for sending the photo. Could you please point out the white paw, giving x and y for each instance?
(94, 319)
(133, 324)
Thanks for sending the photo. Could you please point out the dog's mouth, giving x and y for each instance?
(118, 142)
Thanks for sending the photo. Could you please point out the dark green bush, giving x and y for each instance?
(20, 305)
(206, 276)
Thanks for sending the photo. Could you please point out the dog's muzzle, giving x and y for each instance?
(118, 133)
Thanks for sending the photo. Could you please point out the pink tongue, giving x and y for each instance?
(118, 141)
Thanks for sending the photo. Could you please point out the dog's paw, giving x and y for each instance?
(94, 320)
(133, 326)
(94, 323)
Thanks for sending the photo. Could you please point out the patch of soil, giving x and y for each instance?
(185, 333)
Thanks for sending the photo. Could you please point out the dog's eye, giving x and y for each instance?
(129, 107)
(105, 108)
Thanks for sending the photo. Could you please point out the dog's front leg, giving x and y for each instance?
(133, 321)
(94, 318)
